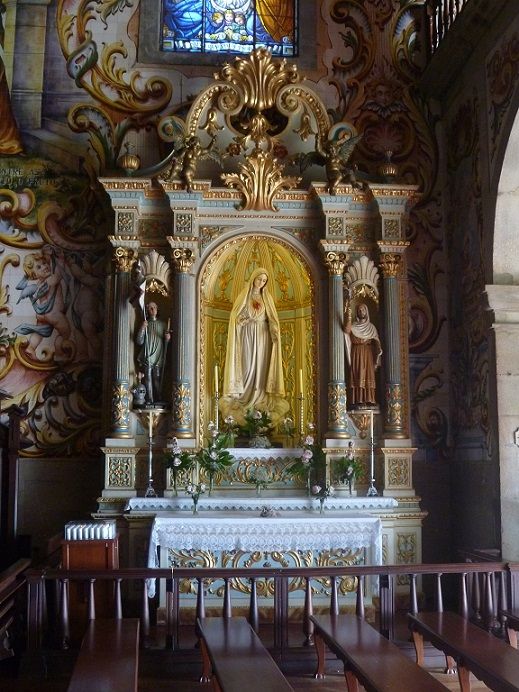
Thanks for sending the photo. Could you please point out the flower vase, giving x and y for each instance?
(321, 505)
(258, 490)
(175, 483)
(195, 506)
(211, 483)
(351, 487)
(309, 484)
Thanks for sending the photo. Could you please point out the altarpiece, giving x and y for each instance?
(258, 177)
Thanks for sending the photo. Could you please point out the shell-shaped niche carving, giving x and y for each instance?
(362, 278)
(157, 272)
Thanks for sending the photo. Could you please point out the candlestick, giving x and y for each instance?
(216, 380)
(150, 424)
(300, 381)
(371, 424)
(372, 491)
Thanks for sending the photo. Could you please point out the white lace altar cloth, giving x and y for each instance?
(248, 533)
(254, 503)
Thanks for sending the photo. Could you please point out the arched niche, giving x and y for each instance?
(294, 290)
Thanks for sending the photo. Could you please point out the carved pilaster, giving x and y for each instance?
(335, 260)
(392, 266)
(182, 407)
(124, 255)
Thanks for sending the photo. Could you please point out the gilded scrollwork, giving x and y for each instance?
(391, 264)
(335, 262)
(181, 393)
(183, 259)
(121, 406)
(398, 472)
(124, 258)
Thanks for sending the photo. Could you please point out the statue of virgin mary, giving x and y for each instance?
(253, 375)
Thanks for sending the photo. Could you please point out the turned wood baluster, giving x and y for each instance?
(91, 599)
(170, 594)
(280, 611)
(476, 596)
(145, 614)
(503, 600)
(118, 604)
(308, 625)
(200, 600)
(489, 600)
(359, 606)
(227, 607)
(439, 593)
(413, 596)
(334, 600)
(464, 603)
(253, 605)
(65, 623)
(387, 606)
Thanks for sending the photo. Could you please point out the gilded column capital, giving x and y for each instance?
(391, 264)
(124, 258)
(182, 259)
(335, 262)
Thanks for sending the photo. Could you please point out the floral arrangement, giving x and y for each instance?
(312, 463)
(178, 461)
(258, 424)
(287, 427)
(195, 490)
(321, 493)
(231, 429)
(214, 458)
(348, 467)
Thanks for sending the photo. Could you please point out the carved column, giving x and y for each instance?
(391, 265)
(183, 353)
(124, 255)
(337, 402)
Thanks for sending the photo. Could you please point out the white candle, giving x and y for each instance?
(150, 424)
(371, 423)
(301, 381)
(216, 380)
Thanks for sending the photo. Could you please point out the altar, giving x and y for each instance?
(294, 538)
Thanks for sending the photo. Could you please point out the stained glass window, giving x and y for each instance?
(229, 26)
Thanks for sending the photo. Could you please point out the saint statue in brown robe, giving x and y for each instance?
(363, 353)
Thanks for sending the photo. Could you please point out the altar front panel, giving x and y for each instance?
(237, 540)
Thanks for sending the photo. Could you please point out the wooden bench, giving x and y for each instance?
(109, 657)
(368, 657)
(472, 648)
(236, 658)
(512, 625)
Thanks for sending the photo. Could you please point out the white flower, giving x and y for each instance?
(211, 425)
(256, 415)
(316, 489)
(229, 420)
(213, 454)
(311, 426)
(176, 461)
(306, 456)
(309, 440)
(202, 487)
(190, 489)
(288, 422)
(331, 490)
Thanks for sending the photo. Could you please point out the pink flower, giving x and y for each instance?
(316, 489)
(306, 456)
(309, 440)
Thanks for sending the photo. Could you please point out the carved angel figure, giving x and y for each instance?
(333, 154)
(185, 157)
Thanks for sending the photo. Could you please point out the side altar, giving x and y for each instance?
(274, 291)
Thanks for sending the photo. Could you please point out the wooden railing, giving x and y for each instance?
(442, 15)
(482, 592)
(12, 598)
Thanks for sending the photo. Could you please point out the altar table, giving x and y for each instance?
(248, 532)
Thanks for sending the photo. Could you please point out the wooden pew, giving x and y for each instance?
(512, 626)
(474, 650)
(368, 657)
(108, 660)
(235, 656)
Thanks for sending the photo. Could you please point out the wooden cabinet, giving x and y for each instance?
(85, 556)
